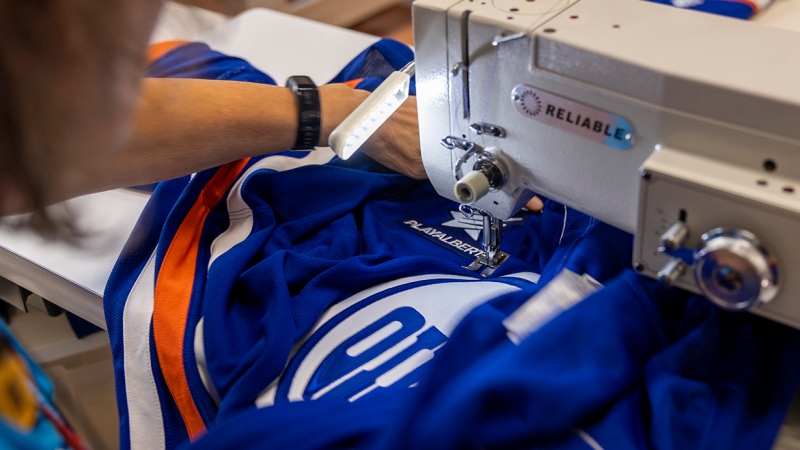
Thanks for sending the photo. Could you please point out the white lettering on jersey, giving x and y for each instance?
(380, 338)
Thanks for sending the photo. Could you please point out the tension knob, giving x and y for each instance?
(734, 270)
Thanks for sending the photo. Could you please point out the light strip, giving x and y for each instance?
(362, 123)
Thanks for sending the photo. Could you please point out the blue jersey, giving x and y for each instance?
(298, 292)
(632, 366)
(739, 9)
(291, 301)
(252, 284)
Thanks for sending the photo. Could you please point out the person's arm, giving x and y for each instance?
(183, 126)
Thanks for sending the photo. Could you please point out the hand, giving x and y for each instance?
(535, 204)
(395, 144)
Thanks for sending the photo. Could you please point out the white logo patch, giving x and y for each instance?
(471, 225)
(378, 340)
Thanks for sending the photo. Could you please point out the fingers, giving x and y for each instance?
(535, 204)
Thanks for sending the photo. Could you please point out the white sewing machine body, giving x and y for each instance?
(665, 123)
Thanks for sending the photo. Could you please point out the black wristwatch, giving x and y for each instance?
(309, 116)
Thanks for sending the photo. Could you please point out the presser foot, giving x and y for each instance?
(487, 265)
(492, 257)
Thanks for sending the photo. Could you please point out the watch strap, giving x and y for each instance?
(308, 108)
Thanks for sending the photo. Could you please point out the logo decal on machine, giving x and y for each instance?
(530, 103)
(576, 118)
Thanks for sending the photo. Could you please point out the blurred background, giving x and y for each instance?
(385, 18)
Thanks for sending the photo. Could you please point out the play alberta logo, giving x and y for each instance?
(459, 235)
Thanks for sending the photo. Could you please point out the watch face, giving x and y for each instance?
(300, 82)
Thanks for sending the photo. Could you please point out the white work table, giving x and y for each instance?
(74, 276)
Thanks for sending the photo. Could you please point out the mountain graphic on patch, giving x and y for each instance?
(471, 225)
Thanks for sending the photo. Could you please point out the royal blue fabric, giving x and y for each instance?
(132, 259)
(632, 366)
(730, 8)
(197, 60)
(171, 201)
(329, 423)
(313, 247)
(375, 63)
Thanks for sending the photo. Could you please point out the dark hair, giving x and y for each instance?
(27, 129)
(68, 75)
(17, 180)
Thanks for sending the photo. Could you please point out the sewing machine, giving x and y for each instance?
(680, 127)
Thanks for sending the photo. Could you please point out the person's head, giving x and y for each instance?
(69, 79)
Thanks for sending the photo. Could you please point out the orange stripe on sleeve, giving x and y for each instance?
(158, 49)
(751, 4)
(173, 294)
(353, 83)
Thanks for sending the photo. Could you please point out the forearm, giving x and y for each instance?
(183, 126)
